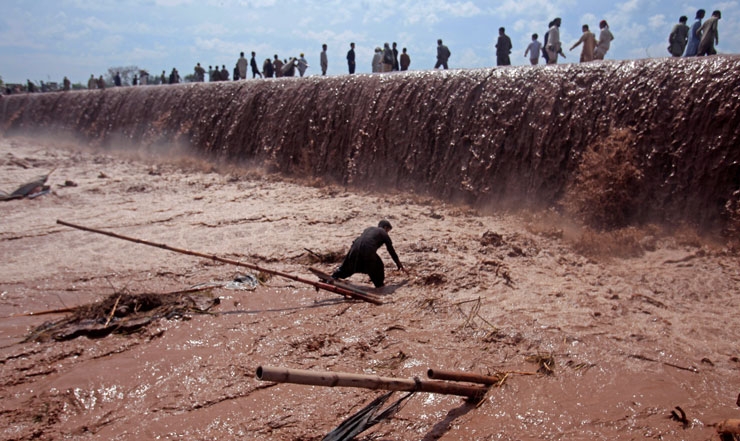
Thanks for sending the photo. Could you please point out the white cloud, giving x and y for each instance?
(172, 3)
(629, 6)
(657, 21)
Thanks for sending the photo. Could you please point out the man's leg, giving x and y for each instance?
(376, 271)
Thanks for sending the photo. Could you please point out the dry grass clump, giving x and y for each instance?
(604, 192)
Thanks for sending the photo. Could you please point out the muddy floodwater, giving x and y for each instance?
(596, 345)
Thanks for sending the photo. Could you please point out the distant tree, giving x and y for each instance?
(190, 78)
(79, 86)
(127, 74)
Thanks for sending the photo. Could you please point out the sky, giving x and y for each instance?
(45, 40)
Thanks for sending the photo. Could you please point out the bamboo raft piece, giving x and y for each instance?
(318, 285)
(340, 379)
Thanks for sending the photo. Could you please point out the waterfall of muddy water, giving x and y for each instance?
(489, 137)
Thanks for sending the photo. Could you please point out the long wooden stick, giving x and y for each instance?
(463, 376)
(470, 377)
(317, 285)
(340, 379)
(729, 427)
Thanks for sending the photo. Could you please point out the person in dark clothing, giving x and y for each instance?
(351, 58)
(253, 65)
(443, 55)
(267, 68)
(503, 48)
(363, 257)
(117, 79)
(396, 66)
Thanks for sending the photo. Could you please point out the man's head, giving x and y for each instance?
(683, 19)
(241, 54)
(700, 13)
(352, 45)
(384, 224)
(717, 14)
(323, 46)
(535, 36)
(584, 28)
(603, 24)
(501, 31)
(439, 42)
(557, 22)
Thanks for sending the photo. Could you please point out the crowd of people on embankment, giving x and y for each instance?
(698, 40)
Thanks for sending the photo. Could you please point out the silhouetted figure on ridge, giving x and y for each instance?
(605, 40)
(709, 35)
(405, 61)
(443, 55)
(679, 37)
(255, 68)
(351, 58)
(503, 48)
(694, 37)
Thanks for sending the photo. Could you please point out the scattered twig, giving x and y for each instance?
(642, 357)
(112, 311)
(546, 363)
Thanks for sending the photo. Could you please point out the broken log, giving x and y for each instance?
(340, 379)
(318, 285)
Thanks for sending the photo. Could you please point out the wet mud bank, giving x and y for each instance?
(488, 137)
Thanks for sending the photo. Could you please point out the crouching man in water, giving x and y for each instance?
(363, 257)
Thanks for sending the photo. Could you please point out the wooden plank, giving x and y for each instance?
(324, 277)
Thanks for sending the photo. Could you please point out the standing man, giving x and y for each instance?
(679, 37)
(589, 44)
(553, 42)
(533, 50)
(351, 58)
(387, 58)
(405, 60)
(443, 55)
(200, 73)
(693, 47)
(605, 39)
(241, 65)
(277, 66)
(91, 83)
(395, 56)
(117, 79)
(302, 65)
(363, 257)
(324, 60)
(503, 48)
(255, 68)
(709, 35)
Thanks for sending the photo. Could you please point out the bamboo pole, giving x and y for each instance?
(463, 376)
(340, 379)
(729, 427)
(318, 285)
